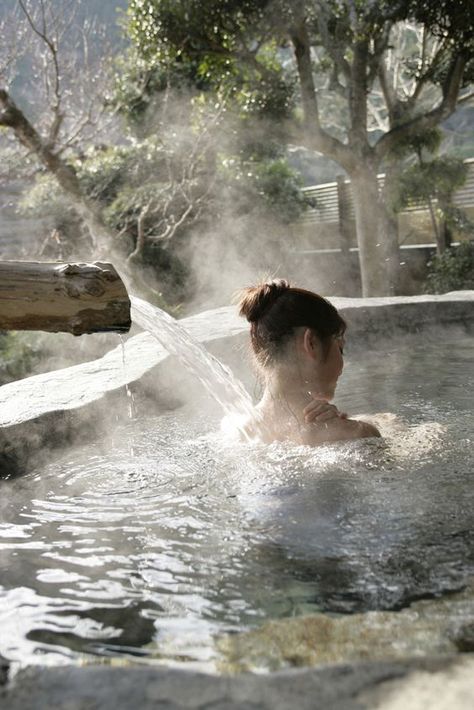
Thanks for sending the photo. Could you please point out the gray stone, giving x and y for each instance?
(423, 629)
(4, 668)
(444, 683)
(463, 637)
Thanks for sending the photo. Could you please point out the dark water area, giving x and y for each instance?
(176, 535)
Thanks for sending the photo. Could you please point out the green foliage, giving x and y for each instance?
(223, 46)
(17, 356)
(453, 270)
(43, 199)
(272, 97)
(439, 178)
(189, 26)
(67, 238)
(125, 180)
(122, 178)
(452, 19)
(226, 54)
(428, 141)
(103, 170)
(137, 183)
(280, 187)
(139, 80)
(222, 74)
(265, 186)
(458, 221)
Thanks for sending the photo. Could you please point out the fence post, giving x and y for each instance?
(343, 214)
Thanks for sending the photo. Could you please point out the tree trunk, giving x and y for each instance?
(370, 237)
(343, 208)
(389, 227)
(70, 298)
(444, 235)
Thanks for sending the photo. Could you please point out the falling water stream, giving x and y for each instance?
(131, 408)
(216, 377)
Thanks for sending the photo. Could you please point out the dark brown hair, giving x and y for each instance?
(275, 309)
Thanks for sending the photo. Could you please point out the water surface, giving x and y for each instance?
(174, 535)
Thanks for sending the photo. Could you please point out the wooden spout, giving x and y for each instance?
(60, 297)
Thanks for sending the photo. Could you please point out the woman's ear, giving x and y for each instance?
(310, 343)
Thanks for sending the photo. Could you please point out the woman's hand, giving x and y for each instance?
(321, 411)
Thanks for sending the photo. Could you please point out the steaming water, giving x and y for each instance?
(152, 554)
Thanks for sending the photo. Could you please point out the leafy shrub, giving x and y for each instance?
(258, 186)
(437, 179)
(17, 356)
(453, 270)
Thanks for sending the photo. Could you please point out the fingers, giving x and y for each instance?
(320, 411)
(322, 417)
(316, 405)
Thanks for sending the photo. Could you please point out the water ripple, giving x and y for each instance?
(176, 535)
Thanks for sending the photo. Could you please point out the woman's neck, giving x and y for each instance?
(286, 393)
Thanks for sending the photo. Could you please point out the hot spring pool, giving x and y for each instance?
(176, 537)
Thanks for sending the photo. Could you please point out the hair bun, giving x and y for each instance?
(254, 301)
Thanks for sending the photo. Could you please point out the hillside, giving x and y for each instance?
(106, 11)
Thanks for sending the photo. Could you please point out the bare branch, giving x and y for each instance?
(12, 46)
(375, 59)
(431, 119)
(140, 243)
(172, 227)
(58, 116)
(380, 121)
(331, 44)
(66, 81)
(388, 90)
(428, 67)
(26, 134)
(314, 136)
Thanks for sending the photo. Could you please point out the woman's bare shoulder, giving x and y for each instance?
(338, 429)
(245, 427)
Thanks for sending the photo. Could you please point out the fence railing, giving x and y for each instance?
(331, 222)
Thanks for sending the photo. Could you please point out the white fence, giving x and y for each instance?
(332, 219)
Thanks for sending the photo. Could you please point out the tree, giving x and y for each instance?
(62, 94)
(140, 185)
(129, 191)
(338, 54)
(433, 179)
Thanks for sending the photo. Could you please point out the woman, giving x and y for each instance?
(297, 338)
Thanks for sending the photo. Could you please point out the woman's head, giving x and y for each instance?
(275, 311)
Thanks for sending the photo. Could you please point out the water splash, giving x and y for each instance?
(217, 378)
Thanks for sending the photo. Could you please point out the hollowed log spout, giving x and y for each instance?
(57, 297)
